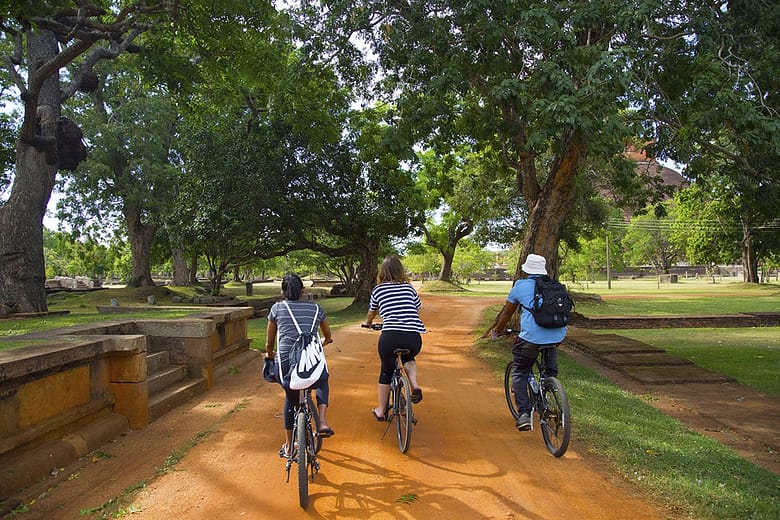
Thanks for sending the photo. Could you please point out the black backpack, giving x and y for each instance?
(552, 305)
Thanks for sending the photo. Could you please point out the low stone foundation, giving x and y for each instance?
(87, 384)
(753, 319)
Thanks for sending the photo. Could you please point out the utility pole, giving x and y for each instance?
(609, 273)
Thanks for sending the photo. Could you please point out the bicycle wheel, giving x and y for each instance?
(403, 412)
(315, 423)
(554, 416)
(509, 392)
(303, 466)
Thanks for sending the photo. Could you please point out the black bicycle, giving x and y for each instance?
(548, 400)
(399, 408)
(307, 443)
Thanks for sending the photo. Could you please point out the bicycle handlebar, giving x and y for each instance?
(374, 326)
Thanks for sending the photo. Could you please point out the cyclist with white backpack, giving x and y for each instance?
(286, 319)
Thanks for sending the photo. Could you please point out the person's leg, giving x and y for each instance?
(411, 371)
(413, 342)
(387, 365)
(290, 399)
(383, 396)
(524, 355)
(551, 361)
(323, 394)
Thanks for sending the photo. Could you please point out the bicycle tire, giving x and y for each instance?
(509, 392)
(315, 423)
(303, 466)
(555, 416)
(403, 413)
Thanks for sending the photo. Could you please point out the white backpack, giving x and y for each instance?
(306, 357)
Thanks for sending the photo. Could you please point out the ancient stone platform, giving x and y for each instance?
(642, 362)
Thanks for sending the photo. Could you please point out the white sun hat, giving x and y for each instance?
(535, 264)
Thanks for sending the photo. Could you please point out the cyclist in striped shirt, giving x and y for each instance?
(396, 301)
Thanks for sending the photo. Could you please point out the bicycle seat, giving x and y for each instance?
(402, 351)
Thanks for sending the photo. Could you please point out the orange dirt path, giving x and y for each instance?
(466, 459)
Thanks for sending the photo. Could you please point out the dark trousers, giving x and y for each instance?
(524, 355)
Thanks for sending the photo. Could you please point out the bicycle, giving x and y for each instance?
(399, 406)
(307, 443)
(548, 399)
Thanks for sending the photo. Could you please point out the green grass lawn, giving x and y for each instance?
(751, 355)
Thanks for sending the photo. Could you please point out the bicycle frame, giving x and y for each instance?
(548, 401)
(401, 412)
(400, 405)
(307, 444)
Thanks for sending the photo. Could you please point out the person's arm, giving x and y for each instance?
(270, 339)
(325, 328)
(370, 315)
(503, 318)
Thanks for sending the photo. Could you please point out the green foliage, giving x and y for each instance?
(69, 256)
(129, 168)
(648, 239)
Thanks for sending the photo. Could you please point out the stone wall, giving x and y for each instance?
(754, 319)
(84, 385)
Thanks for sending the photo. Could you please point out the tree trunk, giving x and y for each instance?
(22, 267)
(194, 270)
(181, 273)
(749, 260)
(454, 235)
(445, 275)
(141, 237)
(550, 206)
(366, 273)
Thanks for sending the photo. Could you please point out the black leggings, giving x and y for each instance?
(391, 340)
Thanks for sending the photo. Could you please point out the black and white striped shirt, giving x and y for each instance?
(398, 304)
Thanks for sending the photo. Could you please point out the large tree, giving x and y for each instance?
(129, 177)
(48, 37)
(462, 190)
(545, 82)
(715, 95)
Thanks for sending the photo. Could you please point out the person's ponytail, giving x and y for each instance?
(292, 286)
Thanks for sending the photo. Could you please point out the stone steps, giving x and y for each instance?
(641, 362)
(169, 385)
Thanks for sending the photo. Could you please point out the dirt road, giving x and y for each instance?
(466, 459)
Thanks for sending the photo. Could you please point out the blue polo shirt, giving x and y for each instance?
(522, 293)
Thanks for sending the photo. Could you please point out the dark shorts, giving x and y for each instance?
(391, 340)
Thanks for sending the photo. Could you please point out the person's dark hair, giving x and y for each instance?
(392, 270)
(292, 285)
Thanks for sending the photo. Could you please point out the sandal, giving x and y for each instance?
(326, 432)
(380, 419)
(416, 395)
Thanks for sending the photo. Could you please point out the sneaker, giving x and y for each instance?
(523, 422)
(283, 451)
